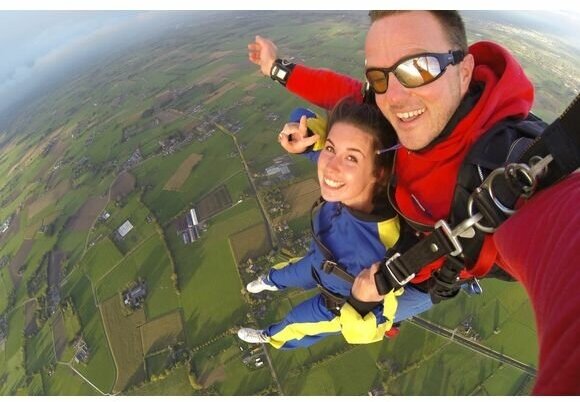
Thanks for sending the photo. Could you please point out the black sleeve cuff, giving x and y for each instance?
(362, 307)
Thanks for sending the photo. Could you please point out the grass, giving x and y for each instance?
(156, 363)
(100, 368)
(100, 258)
(65, 382)
(162, 332)
(125, 340)
(13, 363)
(210, 310)
(250, 243)
(176, 383)
(150, 262)
(40, 350)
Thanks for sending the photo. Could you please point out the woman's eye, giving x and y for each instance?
(351, 158)
(329, 148)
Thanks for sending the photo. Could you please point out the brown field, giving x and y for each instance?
(18, 260)
(220, 91)
(217, 74)
(208, 379)
(123, 185)
(248, 99)
(251, 87)
(168, 116)
(182, 173)
(301, 196)
(83, 219)
(55, 152)
(124, 338)
(48, 198)
(250, 243)
(59, 335)
(214, 202)
(34, 152)
(220, 54)
(162, 332)
(30, 327)
(191, 125)
(34, 226)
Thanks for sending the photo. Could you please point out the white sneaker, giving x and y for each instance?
(251, 335)
(259, 285)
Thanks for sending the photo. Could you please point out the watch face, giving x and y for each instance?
(281, 74)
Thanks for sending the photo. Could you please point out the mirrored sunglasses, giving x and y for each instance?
(413, 71)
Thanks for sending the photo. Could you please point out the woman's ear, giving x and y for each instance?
(380, 173)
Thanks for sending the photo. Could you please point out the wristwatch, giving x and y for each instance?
(281, 70)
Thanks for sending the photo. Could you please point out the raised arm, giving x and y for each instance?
(321, 87)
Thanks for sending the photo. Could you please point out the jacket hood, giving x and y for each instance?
(430, 176)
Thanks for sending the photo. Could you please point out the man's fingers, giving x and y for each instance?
(374, 268)
(308, 141)
(302, 127)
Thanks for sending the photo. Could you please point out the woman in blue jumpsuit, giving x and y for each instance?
(355, 224)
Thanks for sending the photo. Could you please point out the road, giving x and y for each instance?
(470, 344)
(83, 377)
(271, 234)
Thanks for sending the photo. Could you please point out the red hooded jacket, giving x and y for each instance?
(430, 175)
(541, 247)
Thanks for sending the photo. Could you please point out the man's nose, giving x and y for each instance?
(396, 91)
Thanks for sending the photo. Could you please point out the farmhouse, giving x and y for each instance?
(134, 297)
(104, 216)
(254, 358)
(124, 229)
(188, 228)
(5, 225)
(81, 349)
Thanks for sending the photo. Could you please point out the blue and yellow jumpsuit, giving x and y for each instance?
(356, 241)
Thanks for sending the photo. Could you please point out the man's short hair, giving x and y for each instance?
(450, 20)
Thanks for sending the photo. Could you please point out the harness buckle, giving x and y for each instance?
(328, 266)
(453, 234)
(393, 261)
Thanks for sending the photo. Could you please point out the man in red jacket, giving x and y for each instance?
(439, 94)
(438, 118)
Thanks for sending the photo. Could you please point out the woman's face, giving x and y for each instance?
(346, 167)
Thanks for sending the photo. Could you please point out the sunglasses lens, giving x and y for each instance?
(378, 81)
(418, 71)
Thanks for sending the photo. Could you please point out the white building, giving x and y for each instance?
(193, 216)
(124, 228)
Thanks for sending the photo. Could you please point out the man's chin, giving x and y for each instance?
(409, 142)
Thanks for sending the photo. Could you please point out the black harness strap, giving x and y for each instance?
(561, 140)
(329, 265)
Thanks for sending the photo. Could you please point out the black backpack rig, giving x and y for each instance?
(513, 160)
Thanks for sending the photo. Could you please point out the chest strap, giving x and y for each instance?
(329, 264)
(551, 158)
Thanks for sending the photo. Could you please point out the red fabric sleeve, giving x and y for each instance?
(541, 247)
(322, 87)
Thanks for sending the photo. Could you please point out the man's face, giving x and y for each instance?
(417, 114)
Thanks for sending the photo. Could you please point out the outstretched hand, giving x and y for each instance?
(263, 52)
(294, 137)
(364, 287)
